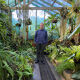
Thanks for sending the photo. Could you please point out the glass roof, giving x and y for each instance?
(42, 3)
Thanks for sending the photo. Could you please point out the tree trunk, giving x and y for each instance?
(63, 28)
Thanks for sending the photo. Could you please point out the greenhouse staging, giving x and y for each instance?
(39, 39)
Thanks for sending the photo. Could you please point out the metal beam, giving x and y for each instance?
(44, 10)
(68, 1)
(35, 8)
(30, 1)
(44, 6)
(36, 21)
(56, 2)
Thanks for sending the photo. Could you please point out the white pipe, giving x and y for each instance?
(73, 32)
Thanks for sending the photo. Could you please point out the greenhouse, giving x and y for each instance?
(39, 39)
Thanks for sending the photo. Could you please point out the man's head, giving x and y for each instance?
(41, 26)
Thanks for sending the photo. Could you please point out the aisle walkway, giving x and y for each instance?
(45, 71)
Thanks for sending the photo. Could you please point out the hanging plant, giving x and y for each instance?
(18, 24)
(28, 21)
(54, 21)
(64, 12)
(76, 9)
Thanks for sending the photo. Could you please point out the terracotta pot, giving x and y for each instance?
(67, 74)
(33, 44)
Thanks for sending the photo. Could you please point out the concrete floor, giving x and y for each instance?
(37, 72)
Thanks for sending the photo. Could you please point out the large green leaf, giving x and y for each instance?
(76, 75)
(20, 74)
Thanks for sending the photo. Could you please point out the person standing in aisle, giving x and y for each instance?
(41, 39)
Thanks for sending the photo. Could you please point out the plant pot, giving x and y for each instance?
(33, 44)
(67, 74)
(54, 21)
(18, 24)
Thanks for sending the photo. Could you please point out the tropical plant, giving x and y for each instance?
(65, 66)
(14, 66)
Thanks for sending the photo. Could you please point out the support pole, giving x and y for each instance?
(63, 28)
(36, 21)
(24, 27)
(44, 19)
(27, 32)
(15, 2)
(8, 2)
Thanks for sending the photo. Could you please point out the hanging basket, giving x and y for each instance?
(54, 21)
(76, 10)
(28, 21)
(18, 24)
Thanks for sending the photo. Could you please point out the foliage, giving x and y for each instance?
(5, 28)
(53, 50)
(2, 2)
(68, 57)
(76, 50)
(29, 53)
(13, 64)
(15, 58)
(53, 29)
(76, 75)
(65, 66)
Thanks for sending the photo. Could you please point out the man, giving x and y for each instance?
(41, 39)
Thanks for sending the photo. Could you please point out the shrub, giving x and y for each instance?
(65, 66)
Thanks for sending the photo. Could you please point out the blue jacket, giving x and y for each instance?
(41, 36)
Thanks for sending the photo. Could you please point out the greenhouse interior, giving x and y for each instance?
(39, 40)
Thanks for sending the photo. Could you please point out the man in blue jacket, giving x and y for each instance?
(41, 39)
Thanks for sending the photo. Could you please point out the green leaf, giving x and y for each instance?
(76, 75)
(27, 73)
(20, 74)
(6, 66)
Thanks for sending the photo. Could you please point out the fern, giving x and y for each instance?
(6, 66)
